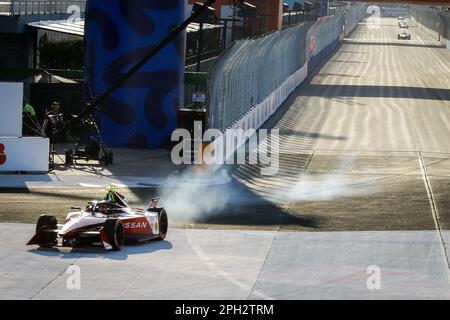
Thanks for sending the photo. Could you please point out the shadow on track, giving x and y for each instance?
(99, 253)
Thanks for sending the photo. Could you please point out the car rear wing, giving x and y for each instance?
(153, 204)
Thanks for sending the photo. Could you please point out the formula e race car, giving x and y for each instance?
(404, 36)
(107, 223)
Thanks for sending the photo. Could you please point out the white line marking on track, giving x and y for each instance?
(434, 211)
(214, 267)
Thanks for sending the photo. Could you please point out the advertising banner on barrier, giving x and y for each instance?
(11, 109)
(29, 154)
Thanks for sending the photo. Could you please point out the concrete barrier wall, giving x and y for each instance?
(322, 38)
(17, 153)
(30, 154)
(319, 58)
(11, 109)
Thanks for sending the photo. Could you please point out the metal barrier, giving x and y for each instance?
(435, 20)
(322, 38)
(40, 7)
(352, 17)
(327, 30)
(250, 70)
(445, 20)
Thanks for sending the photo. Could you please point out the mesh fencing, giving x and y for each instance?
(323, 37)
(445, 20)
(250, 70)
(433, 18)
(327, 30)
(353, 16)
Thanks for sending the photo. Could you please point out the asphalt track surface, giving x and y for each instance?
(364, 179)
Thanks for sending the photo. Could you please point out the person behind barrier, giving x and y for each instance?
(54, 123)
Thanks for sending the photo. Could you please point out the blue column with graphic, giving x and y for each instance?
(118, 33)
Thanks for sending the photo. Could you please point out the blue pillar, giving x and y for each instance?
(143, 112)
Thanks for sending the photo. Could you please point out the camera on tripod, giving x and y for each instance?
(90, 145)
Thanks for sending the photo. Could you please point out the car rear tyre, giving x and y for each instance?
(114, 232)
(47, 222)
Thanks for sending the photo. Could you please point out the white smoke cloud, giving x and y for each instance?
(328, 187)
(338, 184)
(191, 196)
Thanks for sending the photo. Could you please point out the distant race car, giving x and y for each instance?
(401, 18)
(107, 223)
(404, 36)
(403, 24)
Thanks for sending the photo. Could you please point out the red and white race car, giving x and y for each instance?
(107, 223)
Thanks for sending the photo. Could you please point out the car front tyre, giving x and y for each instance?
(115, 233)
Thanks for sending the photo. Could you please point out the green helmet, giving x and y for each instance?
(110, 195)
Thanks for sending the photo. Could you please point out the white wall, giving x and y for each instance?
(11, 100)
(17, 153)
(24, 154)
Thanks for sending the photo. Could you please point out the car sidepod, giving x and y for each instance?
(141, 228)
